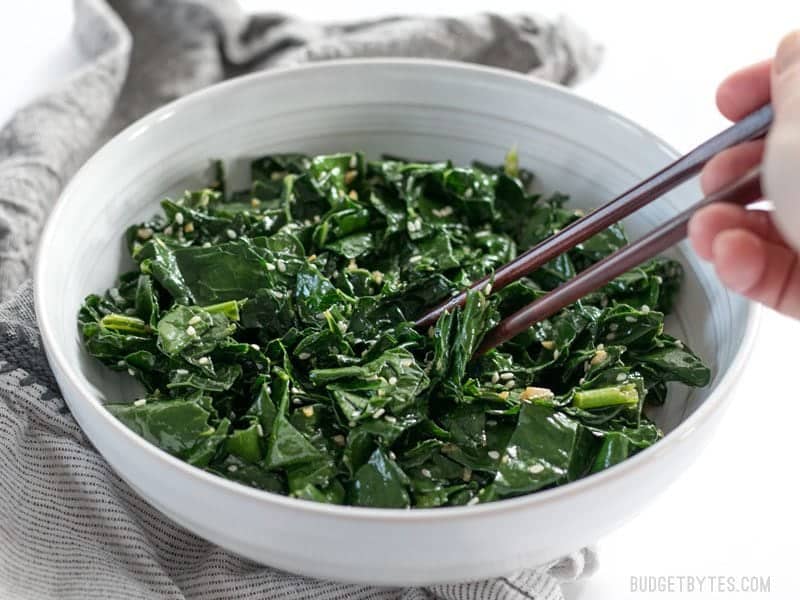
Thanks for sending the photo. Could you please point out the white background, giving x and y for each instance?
(735, 512)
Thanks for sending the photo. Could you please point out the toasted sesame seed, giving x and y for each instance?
(311, 257)
(140, 402)
(350, 176)
(191, 331)
(599, 356)
(255, 347)
(230, 233)
(426, 473)
(622, 377)
(431, 332)
(503, 395)
(281, 265)
(188, 228)
(377, 277)
(645, 309)
(144, 233)
(304, 356)
(493, 454)
(534, 469)
(475, 500)
(504, 458)
(308, 411)
(179, 218)
(232, 468)
(353, 195)
(195, 320)
(339, 440)
(548, 344)
(506, 376)
(392, 380)
(379, 413)
(529, 393)
(255, 202)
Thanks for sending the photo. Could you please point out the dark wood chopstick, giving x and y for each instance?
(743, 191)
(753, 126)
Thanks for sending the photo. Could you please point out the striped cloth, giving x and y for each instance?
(69, 527)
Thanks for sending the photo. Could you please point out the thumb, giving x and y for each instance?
(781, 168)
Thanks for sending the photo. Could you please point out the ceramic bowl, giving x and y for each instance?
(421, 109)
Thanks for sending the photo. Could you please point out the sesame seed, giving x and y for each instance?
(504, 459)
(270, 266)
(351, 424)
(268, 222)
(466, 474)
(599, 356)
(506, 376)
(339, 440)
(140, 402)
(445, 211)
(468, 193)
(308, 411)
(311, 257)
(601, 346)
(415, 259)
(255, 347)
(377, 277)
(645, 309)
(613, 327)
(622, 377)
(353, 195)
(407, 362)
(431, 332)
(281, 265)
(131, 372)
(659, 279)
(353, 161)
(503, 395)
(556, 354)
(350, 176)
(188, 228)
(181, 372)
(191, 331)
(487, 289)
(630, 319)
(392, 380)
(195, 320)
(144, 233)
(495, 377)
(297, 400)
(278, 294)
(232, 468)
(491, 422)
(121, 363)
(259, 430)
(379, 413)
(255, 202)
(610, 336)
(426, 473)
(534, 469)
(474, 500)
(548, 344)
(230, 233)
(168, 230)
(206, 244)
(342, 326)
(179, 218)
(304, 356)
(493, 454)
(510, 384)
(679, 344)
(392, 455)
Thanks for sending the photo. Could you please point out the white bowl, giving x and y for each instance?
(419, 109)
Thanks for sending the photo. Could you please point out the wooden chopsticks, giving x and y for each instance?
(744, 191)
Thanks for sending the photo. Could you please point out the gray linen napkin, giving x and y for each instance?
(69, 527)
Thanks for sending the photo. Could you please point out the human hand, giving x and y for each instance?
(754, 252)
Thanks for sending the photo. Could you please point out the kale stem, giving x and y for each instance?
(608, 396)
(125, 324)
(230, 309)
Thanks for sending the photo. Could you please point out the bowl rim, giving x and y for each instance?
(426, 515)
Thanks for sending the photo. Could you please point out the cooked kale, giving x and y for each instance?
(272, 331)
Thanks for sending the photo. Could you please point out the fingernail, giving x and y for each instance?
(788, 52)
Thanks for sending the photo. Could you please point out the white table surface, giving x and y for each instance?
(735, 511)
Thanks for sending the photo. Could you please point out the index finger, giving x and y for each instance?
(744, 91)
